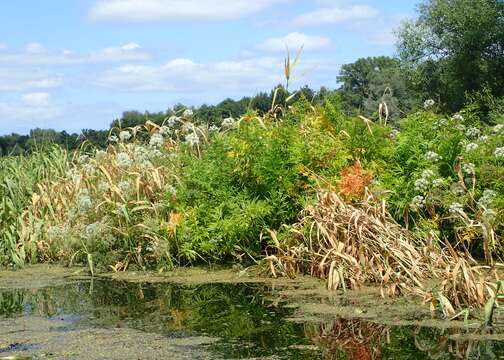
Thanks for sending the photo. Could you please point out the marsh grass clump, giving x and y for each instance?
(355, 244)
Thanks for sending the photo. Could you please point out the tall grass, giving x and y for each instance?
(20, 178)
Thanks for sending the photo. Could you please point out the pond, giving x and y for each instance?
(82, 318)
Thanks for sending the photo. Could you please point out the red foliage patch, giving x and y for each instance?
(354, 180)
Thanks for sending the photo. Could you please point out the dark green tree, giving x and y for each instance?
(454, 48)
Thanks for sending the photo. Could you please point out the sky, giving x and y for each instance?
(78, 64)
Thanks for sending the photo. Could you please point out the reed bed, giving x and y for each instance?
(354, 244)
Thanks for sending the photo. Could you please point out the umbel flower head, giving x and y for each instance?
(124, 135)
(156, 140)
(192, 139)
(429, 103)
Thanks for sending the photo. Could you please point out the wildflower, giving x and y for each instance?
(113, 139)
(499, 152)
(165, 130)
(457, 189)
(418, 202)
(456, 208)
(84, 202)
(124, 135)
(471, 147)
(100, 155)
(473, 132)
(156, 140)
(498, 128)
(123, 159)
(426, 174)
(89, 169)
(228, 122)
(440, 123)
(460, 127)
(192, 139)
(124, 186)
(187, 113)
(489, 215)
(83, 159)
(487, 198)
(213, 128)
(437, 183)
(422, 185)
(173, 120)
(458, 117)
(394, 133)
(469, 168)
(432, 156)
(483, 138)
(103, 186)
(429, 103)
(170, 189)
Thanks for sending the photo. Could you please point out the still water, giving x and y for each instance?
(106, 319)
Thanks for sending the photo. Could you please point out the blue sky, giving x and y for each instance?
(74, 64)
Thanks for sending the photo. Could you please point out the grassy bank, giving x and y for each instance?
(310, 190)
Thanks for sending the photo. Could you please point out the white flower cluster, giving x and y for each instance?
(84, 202)
(423, 183)
(124, 135)
(170, 189)
(123, 160)
(499, 152)
(156, 140)
(173, 120)
(469, 168)
(394, 133)
(486, 200)
(437, 183)
(483, 138)
(456, 208)
(458, 117)
(498, 128)
(187, 113)
(428, 103)
(213, 128)
(192, 139)
(418, 202)
(473, 132)
(471, 147)
(113, 139)
(165, 130)
(460, 127)
(432, 156)
(100, 155)
(228, 122)
(440, 123)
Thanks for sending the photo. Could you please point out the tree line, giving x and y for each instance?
(452, 52)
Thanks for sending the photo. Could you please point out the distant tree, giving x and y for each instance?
(370, 81)
(455, 47)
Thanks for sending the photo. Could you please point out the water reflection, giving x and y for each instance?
(245, 318)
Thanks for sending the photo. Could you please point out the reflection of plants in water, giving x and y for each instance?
(349, 339)
(442, 344)
(11, 303)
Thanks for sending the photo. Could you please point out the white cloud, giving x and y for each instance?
(28, 111)
(35, 99)
(294, 41)
(175, 10)
(187, 75)
(213, 81)
(14, 79)
(36, 54)
(336, 15)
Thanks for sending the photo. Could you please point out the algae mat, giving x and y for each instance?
(50, 312)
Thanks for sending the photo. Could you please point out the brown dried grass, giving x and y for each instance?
(352, 244)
